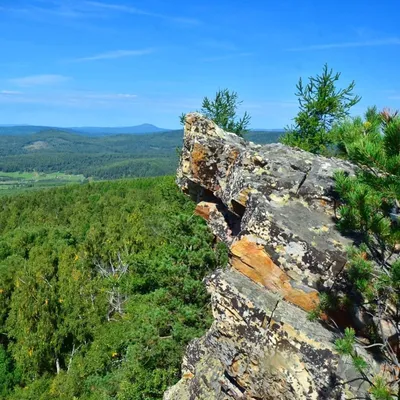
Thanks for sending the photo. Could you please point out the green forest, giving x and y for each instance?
(101, 289)
(98, 158)
(108, 157)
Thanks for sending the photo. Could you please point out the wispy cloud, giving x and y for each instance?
(71, 99)
(115, 54)
(51, 9)
(110, 96)
(10, 92)
(40, 80)
(118, 7)
(395, 41)
(133, 10)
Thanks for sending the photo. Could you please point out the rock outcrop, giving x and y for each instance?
(274, 207)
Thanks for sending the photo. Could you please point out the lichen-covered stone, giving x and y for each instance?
(274, 207)
(261, 347)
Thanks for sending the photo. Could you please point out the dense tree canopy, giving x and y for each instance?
(100, 290)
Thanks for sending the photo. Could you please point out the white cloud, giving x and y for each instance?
(369, 43)
(133, 10)
(71, 99)
(115, 54)
(9, 92)
(40, 80)
(110, 96)
(117, 7)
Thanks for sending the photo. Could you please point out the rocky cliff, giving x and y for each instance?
(274, 207)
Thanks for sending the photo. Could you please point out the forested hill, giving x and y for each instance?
(100, 290)
(91, 131)
(106, 157)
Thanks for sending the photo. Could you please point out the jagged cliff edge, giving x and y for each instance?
(273, 206)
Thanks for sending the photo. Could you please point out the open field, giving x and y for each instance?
(13, 182)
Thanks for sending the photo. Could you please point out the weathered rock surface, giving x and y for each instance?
(274, 207)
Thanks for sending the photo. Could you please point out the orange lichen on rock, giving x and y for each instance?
(204, 209)
(198, 157)
(251, 259)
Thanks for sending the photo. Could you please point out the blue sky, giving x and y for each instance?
(121, 63)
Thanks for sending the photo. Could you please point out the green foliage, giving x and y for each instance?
(371, 199)
(345, 346)
(223, 111)
(370, 207)
(360, 270)
(327, 302)
(321, 106)
(8, 376)
(100, 290)
(380, 390)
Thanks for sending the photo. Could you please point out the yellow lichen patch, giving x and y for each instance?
(259, 171)
(185, 166)
(244, 196)
(282, 200)
(337, 244)
(302, 338)
(280, 249)
(188, 375)
(320, 229)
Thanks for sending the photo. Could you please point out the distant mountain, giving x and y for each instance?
(268, 130)
(262, 135)
(18, 130)
(133, 130)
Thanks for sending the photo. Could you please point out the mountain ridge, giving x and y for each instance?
(142, 129)
(14, 130)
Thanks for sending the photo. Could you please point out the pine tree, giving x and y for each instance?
(223, 111)
(371, 207)
(321, 106)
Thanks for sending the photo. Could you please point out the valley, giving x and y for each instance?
(53, 157)
(16, 182)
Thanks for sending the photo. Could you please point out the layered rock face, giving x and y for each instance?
(274, 207)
